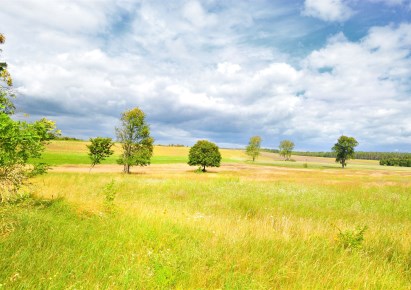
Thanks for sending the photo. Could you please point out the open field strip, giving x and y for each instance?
(75, 153)
(240, 226)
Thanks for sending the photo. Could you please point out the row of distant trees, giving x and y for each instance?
(358, 155)
(343, 150)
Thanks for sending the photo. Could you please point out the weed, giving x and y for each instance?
(351, 239)
(109, 196)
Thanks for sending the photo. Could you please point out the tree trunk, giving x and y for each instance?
(343, 163)
(204, 170)
(126, 168)
(253, 158)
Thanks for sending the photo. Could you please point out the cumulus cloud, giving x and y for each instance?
(210, 71)
(328, 10)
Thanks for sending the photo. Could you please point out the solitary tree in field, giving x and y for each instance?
(204, 153)
(344, 148)
(134, 136)
(99, 150)
(286, 148)
(254, 146)
(19, 141)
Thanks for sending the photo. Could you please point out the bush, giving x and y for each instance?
(351, 239)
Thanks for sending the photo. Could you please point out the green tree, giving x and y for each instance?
(134, 136)
(19, 142)
(6, 82)
(254, 147)
(344, 149)
(99, 150)
(204, 153)
(286, 148)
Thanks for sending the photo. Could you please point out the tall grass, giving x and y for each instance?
(248, 229)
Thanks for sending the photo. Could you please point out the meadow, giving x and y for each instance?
(264, 225)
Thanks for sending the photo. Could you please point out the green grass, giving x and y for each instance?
(74, 158)
(54, 159)
(215, 230)
(263, 225)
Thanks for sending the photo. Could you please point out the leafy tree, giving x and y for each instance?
(6, 93)
(19, 141)
(254, 146)
(99, 150)
(286, 148)
(204, 153)
(344, 149)
(134, 136)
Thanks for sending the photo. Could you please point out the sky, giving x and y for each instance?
(307, 71)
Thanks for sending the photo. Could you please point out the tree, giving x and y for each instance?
(344, 149)
(204, 153)
(99, 150)
(254, 146)
(286, 148)
(6, 82)
(19, 142)
(134, 136)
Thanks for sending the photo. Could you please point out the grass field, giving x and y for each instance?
(268, 225)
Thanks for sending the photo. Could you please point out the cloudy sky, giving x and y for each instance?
(308, 70)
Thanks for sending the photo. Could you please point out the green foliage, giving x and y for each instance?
(109, 196)
(366, 155)
(204, 153)
(402, 162)
(286, 148)
(6, 105)
(351, 239)
(254, 147)
(99, 150)
(20, 141)
(134, 136)
(344, 149)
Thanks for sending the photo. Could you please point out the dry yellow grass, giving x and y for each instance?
(239, 226)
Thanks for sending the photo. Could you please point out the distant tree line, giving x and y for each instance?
(358, 155)
(171, 145)
(395, 161)
(66, 138)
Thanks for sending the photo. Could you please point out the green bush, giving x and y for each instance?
(351, 239)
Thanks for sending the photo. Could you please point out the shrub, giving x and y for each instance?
(351, 239)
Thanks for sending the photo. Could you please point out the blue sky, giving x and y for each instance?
(308, 70)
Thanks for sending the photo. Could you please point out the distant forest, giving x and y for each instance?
(357, 155)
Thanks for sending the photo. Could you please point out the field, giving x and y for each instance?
(264, 225)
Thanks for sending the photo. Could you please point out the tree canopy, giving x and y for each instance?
(99, 150)
(344, 149)
(254, 147)
(286, 148)
(135, 139)
(205, 154)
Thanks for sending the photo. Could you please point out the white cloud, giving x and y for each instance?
(328, 10)
(228, 69)
(195, 14)
(205, 75)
